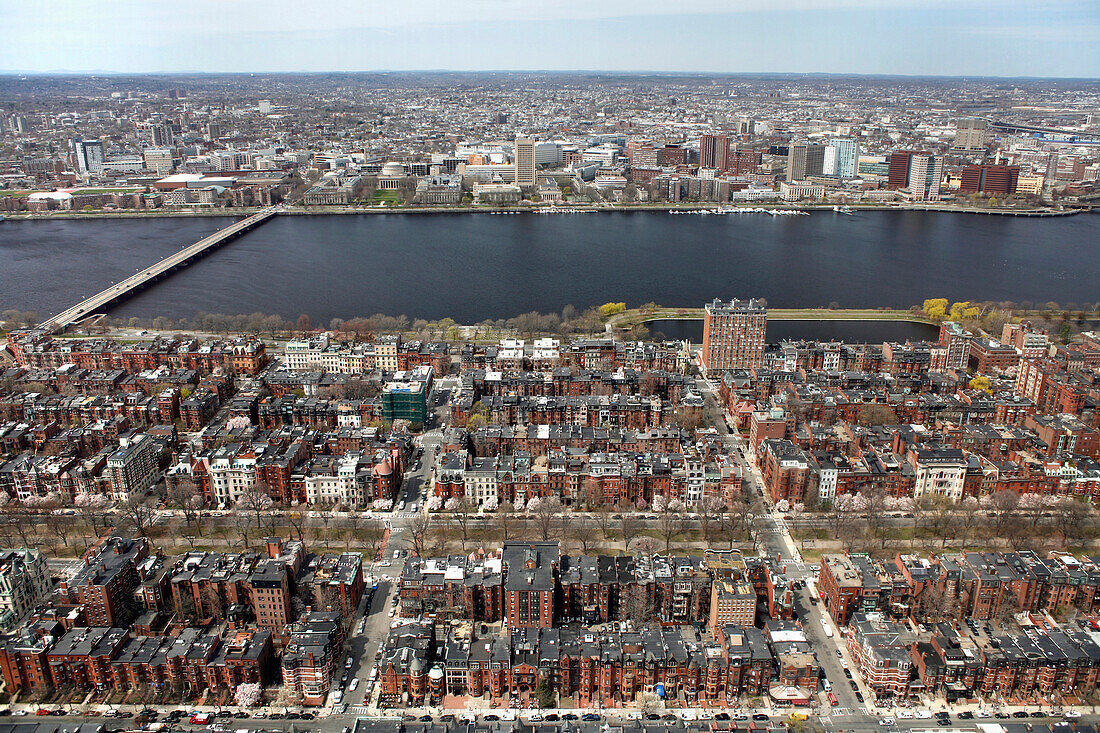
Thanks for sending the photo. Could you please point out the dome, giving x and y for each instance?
(393, 169)
(416, 665)
(385, 468)
(435, 673)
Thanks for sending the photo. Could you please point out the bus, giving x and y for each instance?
(832, 700)
(828, 630)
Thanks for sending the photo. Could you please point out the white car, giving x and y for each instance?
(886, 721)
(1072, 715)
(922, 714)
(354, 684)
(905, 714)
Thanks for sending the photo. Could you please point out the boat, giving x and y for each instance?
(843, 210)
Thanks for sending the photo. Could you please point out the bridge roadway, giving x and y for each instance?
(123, 289)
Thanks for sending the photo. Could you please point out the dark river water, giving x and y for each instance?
(476, 266)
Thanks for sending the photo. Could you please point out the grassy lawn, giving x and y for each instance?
(385, 196)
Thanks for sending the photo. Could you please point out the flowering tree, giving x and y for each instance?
(452, 504)
(490, 504)
(659, 504)
(5, 497)
(382, 505)
(783, 505)
(48, 501)
(676, 506)
(238, 422)
(534, 504)
(85, 500)
(249, 694)
(434, 504)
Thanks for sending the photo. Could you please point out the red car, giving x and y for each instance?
(42, 711)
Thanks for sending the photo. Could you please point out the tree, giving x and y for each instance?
(671, 524)
(1071, 517)
(460, 510)
(248, 694)
(981, 383)
(585, 535)
(255, 500)
(241, 523)
(1005, 504)
(874, 413)
(710, 510)
(544, 694)
(637, 605)
(967, 519)
(185, 496)
(138, 513)
(935, 308)
(941, 519)
(545, 512)
(630, 526)
(874, 502)
(304, 324)
(609, 309)
(420, 529)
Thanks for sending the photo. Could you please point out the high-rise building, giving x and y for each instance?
(20, 124)
(87, 155)
(997, 180)
(159, 136)
(804, 160)
(525, 161)
(920, 172)
(925, 172)
(841, 157)
(214, 130)
(714, 151)
(733, 335)
(971, 134)
(158, 160)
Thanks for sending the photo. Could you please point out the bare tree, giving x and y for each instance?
(420, 530)
(297, 521)
(462, 514)
(671, 525)
(242, 526)
(710, 510)
(186, 497)
(630, 526)
(941, 519)
(1071, 517)
(585, 535)
(138, 512)
(546, 514)
(371, 537)
(874, 499)
(255, 501)
(1005, 505)
(60, 526)
(637, 605)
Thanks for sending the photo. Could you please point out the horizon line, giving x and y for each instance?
(641, 72)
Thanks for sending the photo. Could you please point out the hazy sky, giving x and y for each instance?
(952, 37)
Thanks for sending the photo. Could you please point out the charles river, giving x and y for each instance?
(472, 267)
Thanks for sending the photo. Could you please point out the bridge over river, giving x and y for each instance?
(124, 289)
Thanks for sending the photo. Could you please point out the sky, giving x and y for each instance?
(1037, 38)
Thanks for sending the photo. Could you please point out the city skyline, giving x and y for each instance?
(974, 38)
